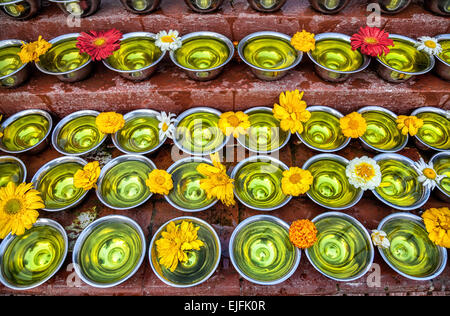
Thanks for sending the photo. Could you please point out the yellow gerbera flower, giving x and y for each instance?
(353, 125)
(109, 122)
(296, 181)
(437, 223)
(217, 183)
(409, 124)
(291, 111)
(303, 233)
(175, 241)
(18, 208)
(235, 123)
(32, 51)
(303, 41)
(159, 181)
(86, 178)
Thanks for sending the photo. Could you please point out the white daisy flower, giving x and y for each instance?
(429, 45)
(166, 125)
(427, 175)
(379, 239)
(363, 173)
(168, 40)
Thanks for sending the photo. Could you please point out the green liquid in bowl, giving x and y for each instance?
(110, 252)
(134, 54)
(404, 56)
(63, 56)
(382, 132)
(258, 184)
(399, 183)
(139, 134)
(442, 167)
(202, 53)
(79, 135)
(34, 256)
(411, 250)
(269, 52)
(342, 250)
(56, 186)
(25, 132)
(9, 60)
(435, 131)
(323, 132)
(186, 192)
(330, 186)
(336, 54)
(10, 171)
(445, 54)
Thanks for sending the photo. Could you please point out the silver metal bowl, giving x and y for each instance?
(139, 74)
(73, 75)
(333, 75)
(263, 73)
(410, 163)
(153, 257)
(418, 142)
(17, 161)
(140, 6)
(266, 5)
(440, 7)
(70, 7)
(324, 7)
(418, 220)
(9, 8)
(204, 74)
(444, 196)
(10, 238)
(204, 6)
(18, 76)
(333, 112)
(362, 229)
(38, 147)
(85, 234)
(393, 6)
(393, 75)
(442, 68)
(371, 148)
(248, 221)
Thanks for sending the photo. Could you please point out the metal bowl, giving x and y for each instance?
(70, 7)
(203, 6)
(418, 142)
(442, 68)
(18, 162)
(209, 73)
(263, 73)
(18, 76)
(444, 196)
(141, 6)
(393, 6)
(9, 8)
(248, 221)
(266, 5)
(321, 6)
(38, 147)
(333, 75)
(440, 7)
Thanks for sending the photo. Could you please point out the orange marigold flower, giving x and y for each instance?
(303, 233)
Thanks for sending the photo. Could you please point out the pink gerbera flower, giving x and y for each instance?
(371, 41)
(99, 45)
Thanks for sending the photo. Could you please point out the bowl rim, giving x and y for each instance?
(439, 38)
(410, 163)
(364, 231)
(256, 218)
(128, 36)
(111, 164)
(19, 115)
(181, 162)
(17, 160)
(329, 110)
(432, 160)
(267, 159)
(434, 110)
(340, 160)
(345, 38)
(86, 233)
(66, 120)
(373, 108)
(418, 220)
(193, 219)
(9, 238)
(281, 36)
(132, 115)
(12, 42)
(201, 34)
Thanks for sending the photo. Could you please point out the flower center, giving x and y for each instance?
(165, 127)
(12, 206)
(99, 41)
(371, 40)
(429, 173)
(233, 120)
(353, 124)
(160, 180)
(430, 44)
(295, 178)
(167, 39)
(365, 171)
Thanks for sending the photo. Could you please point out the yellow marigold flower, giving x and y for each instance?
(291, 111)
(303, 233)
(175, 241)
(235, 123)
(296, 181)
(109, 122)
(32, 51)
(409, 124)
(18, 208)
(353, 125)
(437, 223)
(159, 181)
(217, 184)
(86, 178)
(303, 41)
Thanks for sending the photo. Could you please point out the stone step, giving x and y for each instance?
(169, 89)
(234, 21)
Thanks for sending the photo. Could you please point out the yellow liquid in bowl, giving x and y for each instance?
(336, 54)
(63, 56)
(9, 60)
(403, 56)
(269, 52)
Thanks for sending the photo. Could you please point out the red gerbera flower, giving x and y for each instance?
(99, 45)
(371, 41)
